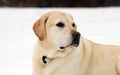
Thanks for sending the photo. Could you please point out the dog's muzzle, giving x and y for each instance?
(75, 39)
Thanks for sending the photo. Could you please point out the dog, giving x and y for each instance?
(62, 50)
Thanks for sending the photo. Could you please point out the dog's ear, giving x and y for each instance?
(40, 28)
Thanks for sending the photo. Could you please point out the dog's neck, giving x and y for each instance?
(74, 55)
(50, 55)
(53, 53)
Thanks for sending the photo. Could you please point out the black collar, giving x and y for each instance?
(44, 59)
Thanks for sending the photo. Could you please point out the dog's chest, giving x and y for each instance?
(69, 67)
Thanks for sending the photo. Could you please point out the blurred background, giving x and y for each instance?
(59, 3)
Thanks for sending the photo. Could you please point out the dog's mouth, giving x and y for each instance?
(74, 43)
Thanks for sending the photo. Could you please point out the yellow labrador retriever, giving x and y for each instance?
(61, 50)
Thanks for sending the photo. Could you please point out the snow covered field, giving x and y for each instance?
(17, 39)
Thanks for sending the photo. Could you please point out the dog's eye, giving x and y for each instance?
(73, 24)
(60, 24)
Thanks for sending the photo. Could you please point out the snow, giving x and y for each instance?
(17, 40)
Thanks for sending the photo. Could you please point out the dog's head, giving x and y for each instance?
(57, 29)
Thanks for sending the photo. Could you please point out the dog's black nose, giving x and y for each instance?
(76, 37)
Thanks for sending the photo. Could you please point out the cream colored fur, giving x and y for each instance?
(88, 58)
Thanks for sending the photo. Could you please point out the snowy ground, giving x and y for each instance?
(17, 39)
